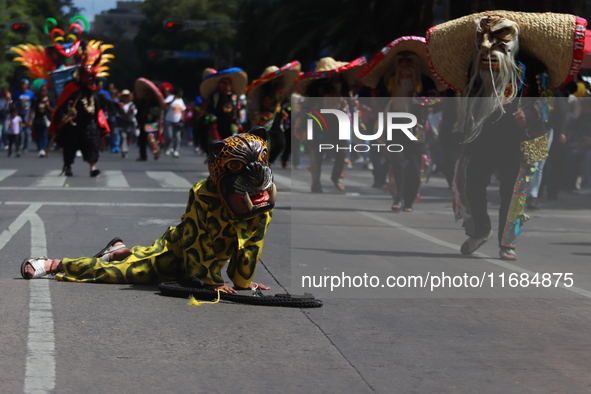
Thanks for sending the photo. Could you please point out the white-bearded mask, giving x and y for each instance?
(406, 75)
(494, 64)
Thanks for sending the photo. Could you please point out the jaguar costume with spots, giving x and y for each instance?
(224, 223)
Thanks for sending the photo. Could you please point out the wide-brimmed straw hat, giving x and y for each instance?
(383, 62)
(328, 67)
(208, 71)
(144, 87)
(290, 73)
(557, 40)
(211, 82)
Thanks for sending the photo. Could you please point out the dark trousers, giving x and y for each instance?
(277, 144)
(14, 139)
(142, 143)
(484, 161)
(317, 157)
(555, 168)
(405, 166)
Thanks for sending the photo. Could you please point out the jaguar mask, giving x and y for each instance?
(240, 170)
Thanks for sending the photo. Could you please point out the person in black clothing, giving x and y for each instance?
(222, 90)
(505, 110)
(79, 120)
(39, 118)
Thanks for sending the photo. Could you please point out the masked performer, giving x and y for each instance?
(226, 219)
(79, 122)
(518, 56)
(266, 98)
(222, 91)
(402, 68)
(329, 87)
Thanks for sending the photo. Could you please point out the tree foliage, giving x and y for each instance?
(153, 36)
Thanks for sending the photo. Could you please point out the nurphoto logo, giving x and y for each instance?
(392, 120)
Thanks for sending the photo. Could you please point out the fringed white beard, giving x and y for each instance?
(490, 96)
(402, 94)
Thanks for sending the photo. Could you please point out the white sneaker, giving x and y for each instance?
(175, 153)
(168, 152)
(41, 153)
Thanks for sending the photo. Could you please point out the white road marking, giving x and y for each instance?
(98, 189)
(5, 174)
(115, 179)
(40, 361)
(40, 367)
(169, 179)
(488, 259)
(51, 179)
(94, 204)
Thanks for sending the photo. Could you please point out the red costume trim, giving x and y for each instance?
(71, 88)
(381, 54)
(578, 48)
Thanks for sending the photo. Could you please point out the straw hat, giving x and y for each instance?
(290, 71)
(328, 67)
(211, 82)
(383, 62)
(144, 87)
(557, 40)
(208, 71)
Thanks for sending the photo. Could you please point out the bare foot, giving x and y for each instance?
(57, 267)
(119, 254)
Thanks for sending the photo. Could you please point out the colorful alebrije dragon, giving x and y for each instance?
(67, 50)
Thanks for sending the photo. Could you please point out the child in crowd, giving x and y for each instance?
(14, 131)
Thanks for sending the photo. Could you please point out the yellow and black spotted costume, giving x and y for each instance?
(201, 245)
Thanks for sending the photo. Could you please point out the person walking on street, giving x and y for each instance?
(222, 91)
(126, 121)
(174, 122)
(5, 102)
(14, 132)
(39, 119)
(506, 101)
(23, 99)
(266, 98)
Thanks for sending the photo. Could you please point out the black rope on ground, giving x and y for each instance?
(185, 289)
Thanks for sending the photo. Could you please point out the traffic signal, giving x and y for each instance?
(155, 54)
(21, 27)
(174, 24)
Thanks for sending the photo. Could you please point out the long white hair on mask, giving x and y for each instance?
(480, 102)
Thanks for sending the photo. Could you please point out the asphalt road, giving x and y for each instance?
(85, 338)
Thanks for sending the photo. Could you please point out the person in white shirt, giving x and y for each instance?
(14, 132)
(174, 116)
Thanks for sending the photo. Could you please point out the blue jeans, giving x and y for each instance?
(25, 137)
(3, 135)
(172, 136)
(41, 132)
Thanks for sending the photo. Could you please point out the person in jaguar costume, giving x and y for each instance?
(225, 221)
